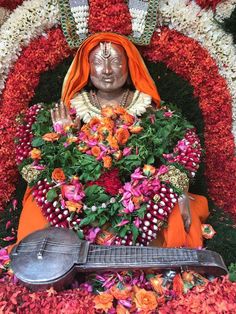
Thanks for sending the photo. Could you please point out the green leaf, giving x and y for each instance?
(150, 160)
(87, 220)
(135, 233)
(37, 141)
(51, 195)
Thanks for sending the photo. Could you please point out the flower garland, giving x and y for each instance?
(142, 205)
(206, 4)
(27, 22)
(107, 16)
(181, 16)
(4, 13)
(224, 9)
(10, 5)
(26, 77)
(195, 65)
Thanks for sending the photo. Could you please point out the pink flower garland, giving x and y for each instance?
(187, 58)
(181, 54)
(41, 55)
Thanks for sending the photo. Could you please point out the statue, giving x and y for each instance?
(108, 71)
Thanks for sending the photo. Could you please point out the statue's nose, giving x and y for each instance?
(107, 69)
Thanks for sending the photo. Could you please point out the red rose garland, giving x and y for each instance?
(183, 55)
(186, 57)
(109, 16)
(206, 4)
(42, 54)
(11, 5)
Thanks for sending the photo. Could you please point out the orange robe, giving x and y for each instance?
(174, 235)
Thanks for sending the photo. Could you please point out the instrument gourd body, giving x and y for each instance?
(52, 257)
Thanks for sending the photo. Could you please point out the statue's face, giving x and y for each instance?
(108, 67)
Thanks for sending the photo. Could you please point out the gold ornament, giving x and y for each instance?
(29, 173)
(176, 177)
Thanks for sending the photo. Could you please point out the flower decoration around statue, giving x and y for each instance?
(113, 181)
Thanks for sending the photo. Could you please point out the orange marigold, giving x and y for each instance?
(121, 294)
(120, 309)
(119, 110)
(58, 175)
(109, 123)
(108, 112)
(94, 121)
(35, 153)
(122, 136)
(145, 300)
(103, 301)
(107, 162)
(135, 129)
(96, 151)
(51, 137)
(73, 206)
(156, 283)
(128, 118)
(112, 142)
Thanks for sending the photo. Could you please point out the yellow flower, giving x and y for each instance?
(35, 153)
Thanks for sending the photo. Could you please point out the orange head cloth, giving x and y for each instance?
(78, 73)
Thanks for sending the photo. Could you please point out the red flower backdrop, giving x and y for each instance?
(109, 16)
(214, 297)
(205, 4)
(10, 4)
(38, 57)
(187, 58)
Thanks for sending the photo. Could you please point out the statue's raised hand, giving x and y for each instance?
(184, 206)
(61, 118)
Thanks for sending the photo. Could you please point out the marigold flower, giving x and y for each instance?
(156, 283)
(108, 112)
(35, 153)
(94, 122)
(122, 136)
(128, 119)
(107, 162)
(105, 238)
(135, 129)
(207, 231)
(188, 276)
(178, 284)
(51, 137)
(112, 142)
(149, 170)
(119, 110)
(121, 294)
(120, 309)
(145, 300)
(58, 175)
(96, 151)
(118, 155)
(74, 206)
(103, 301)
(108, 123)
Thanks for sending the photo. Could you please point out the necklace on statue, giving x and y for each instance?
(96, 102)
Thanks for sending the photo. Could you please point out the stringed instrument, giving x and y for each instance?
(52, 257)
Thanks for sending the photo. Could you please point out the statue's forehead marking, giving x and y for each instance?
(105, 49)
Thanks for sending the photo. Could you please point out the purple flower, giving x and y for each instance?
(127, 151)
(92, 234)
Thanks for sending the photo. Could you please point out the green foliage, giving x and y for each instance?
(159, 135)
(229, 24)
(232, 272)
(224, 241)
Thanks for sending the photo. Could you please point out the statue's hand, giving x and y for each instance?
(185, 211)
(61, 117)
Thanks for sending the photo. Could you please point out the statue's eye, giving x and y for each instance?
(97, 61)
(116, 61)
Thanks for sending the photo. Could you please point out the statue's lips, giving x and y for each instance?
(107, 79)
